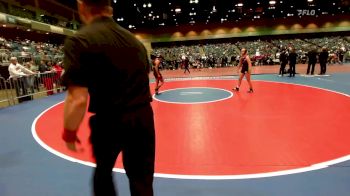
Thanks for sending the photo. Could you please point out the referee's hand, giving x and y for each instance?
(71, 139)
(73, 147)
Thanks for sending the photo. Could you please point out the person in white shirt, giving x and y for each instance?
(17, 70)
(19, 77)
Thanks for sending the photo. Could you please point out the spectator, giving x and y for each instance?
(47, 76)
(19, 78)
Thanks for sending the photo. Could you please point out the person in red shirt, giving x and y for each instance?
(57, 77)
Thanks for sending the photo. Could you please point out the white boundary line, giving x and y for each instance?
(314, 167)
(57, 153)
(200, 102)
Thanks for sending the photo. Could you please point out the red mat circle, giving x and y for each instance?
(280, 127)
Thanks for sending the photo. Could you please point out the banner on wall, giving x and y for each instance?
(24, 22)
(11, 19)
(55, 29)
(40, 26)
(3, 17)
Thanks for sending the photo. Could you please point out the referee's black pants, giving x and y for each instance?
(312, 66)
(292, 69)
(282, 68)
(323, 66)
(187, 69)
(131, 133)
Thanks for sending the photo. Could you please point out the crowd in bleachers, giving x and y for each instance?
(27, 51)
(31, 67)
(262, 52)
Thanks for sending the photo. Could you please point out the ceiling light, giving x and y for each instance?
(272, 2)
(149, 5)
(178, 10)
(144, 5)
(310, 1)
(239, 5)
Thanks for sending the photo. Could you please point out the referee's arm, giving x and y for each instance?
(74, 110)
(75, 107)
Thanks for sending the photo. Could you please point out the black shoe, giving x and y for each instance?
(236, 89)
(250, 90)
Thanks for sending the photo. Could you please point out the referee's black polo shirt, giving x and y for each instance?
(111, 62)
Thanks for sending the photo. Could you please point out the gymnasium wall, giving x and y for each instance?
(287, 26)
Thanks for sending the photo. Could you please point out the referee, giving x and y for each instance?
(107, 63)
